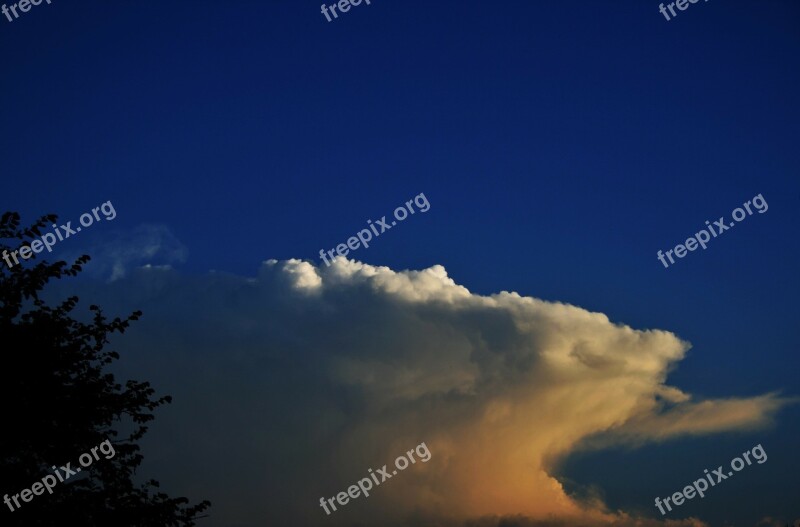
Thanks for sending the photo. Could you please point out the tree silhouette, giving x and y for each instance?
(59, 401)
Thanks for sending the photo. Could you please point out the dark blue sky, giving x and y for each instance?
(560, 144)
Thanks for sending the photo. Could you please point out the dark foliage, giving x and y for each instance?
(59, 401)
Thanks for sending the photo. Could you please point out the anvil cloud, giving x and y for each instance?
(289, 384)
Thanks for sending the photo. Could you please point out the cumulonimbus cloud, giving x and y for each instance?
(290, 385)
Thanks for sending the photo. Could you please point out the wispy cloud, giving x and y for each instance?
(116, 253)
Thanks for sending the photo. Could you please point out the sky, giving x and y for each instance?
(522, 326)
